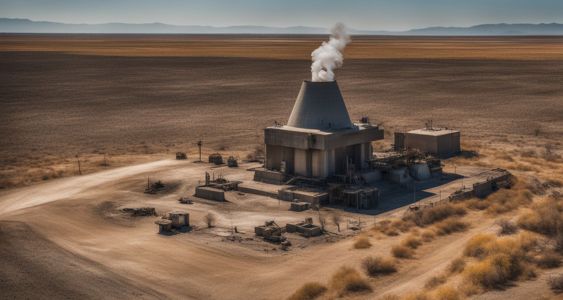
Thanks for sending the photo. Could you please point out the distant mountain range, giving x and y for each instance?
(8, 25)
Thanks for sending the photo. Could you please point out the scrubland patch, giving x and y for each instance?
(308, 291)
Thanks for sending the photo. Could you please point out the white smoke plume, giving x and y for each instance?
(328, 56)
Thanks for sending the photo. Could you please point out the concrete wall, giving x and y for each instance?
(449, 145)
(300, 156)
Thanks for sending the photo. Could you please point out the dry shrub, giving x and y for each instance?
(401, 251)
(308, 291)
(428, 236)
(377, 266)
(478, 204)
(545, 217)
(362, 243)
(493, 272)
(447, 293)
(456, 266)
(549, 260)
(507, 227)
(347, 280)
(435, 281)
(434, 214)
(389, 297)
(501, 260)
(417, 296)
(556, 283)
(411, 242)
(450, 226)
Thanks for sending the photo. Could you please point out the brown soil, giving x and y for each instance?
(137, 107)
(88, 95)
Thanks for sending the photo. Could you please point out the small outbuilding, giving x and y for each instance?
(179, 218)
(164, 225)
(440, 142)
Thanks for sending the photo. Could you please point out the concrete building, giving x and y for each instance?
(319, 139)
(439, 142)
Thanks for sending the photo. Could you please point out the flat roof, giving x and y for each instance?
(357, 127)
(433, 132)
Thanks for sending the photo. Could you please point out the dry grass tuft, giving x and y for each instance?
(435, 214)
(308, 291)
(347, 280)
(456, 266)
(507, 227)
(401, 251)
(411, 242)
(417, 296)
(362, 243)
(377, 266)
(447, 293)
(548, 260)
(428, 236)
(435, 281)
(556, 283)
(450, 226)
(389, 297)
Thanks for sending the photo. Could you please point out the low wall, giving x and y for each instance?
(210, 193)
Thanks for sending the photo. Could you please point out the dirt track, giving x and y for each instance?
(62, 218)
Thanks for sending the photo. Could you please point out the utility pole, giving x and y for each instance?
(199, 144)
(78, 162)
(413, 192)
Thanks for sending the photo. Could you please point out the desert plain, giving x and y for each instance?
(125, 104)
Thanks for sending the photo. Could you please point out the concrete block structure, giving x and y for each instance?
(439, 142)
(319, 139)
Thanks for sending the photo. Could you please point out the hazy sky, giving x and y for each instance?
(361, 14)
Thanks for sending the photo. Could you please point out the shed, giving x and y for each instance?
(164, 225)
(440, 142)
(179, 218)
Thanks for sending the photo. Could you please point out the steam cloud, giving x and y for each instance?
(328, 56)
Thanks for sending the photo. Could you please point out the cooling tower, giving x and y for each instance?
(319, 105)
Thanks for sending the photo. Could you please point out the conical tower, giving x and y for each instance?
(319, 105)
